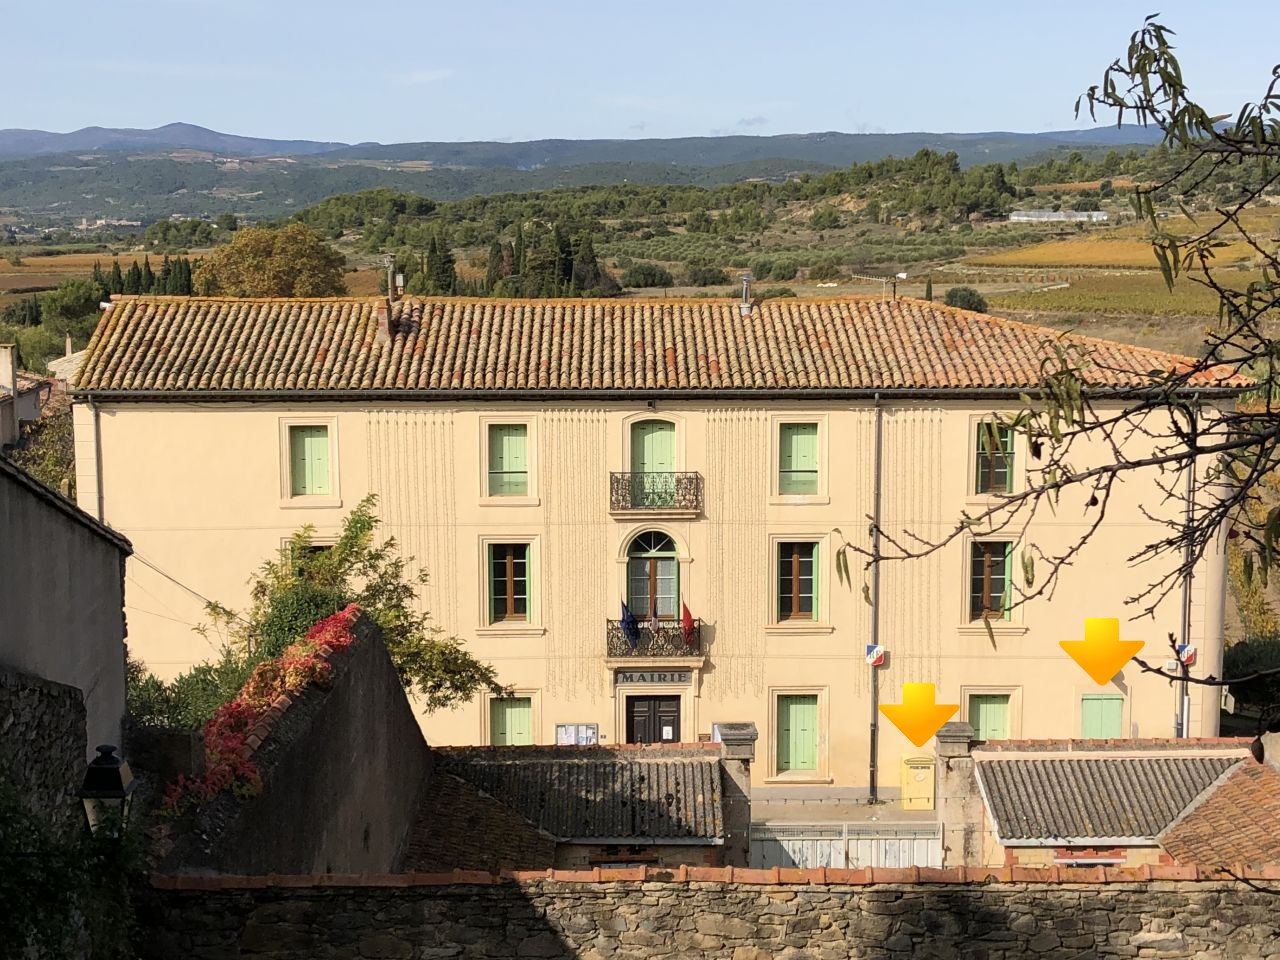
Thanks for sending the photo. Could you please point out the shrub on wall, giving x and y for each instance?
(228, 751)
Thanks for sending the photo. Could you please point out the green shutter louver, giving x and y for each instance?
(1101, 716)
(511, 721)
(309, 461)
(797, 745)
(989, 716)
(798, 459)
(508, 460)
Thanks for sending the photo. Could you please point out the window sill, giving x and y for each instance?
(511, 630)
(310, 503)
(799, 500)
(510, 501)
(801, 777)
(798, 629)
(1001, 628)
(655, 513)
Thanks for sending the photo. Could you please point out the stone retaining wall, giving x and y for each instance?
(42, 740)
(551, 916)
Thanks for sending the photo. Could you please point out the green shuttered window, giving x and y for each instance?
(508, 460)
(511, 721)
(1101, 716)
(653, 463)
(798, 459)
(309, 461)
(989, 715)
(798, 732)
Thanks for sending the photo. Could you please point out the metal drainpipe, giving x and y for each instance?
(1184, 693)
(875, 602)
(99, 501)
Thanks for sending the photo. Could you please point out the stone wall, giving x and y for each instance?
(342, 770)
(755, 915)
(42, 728)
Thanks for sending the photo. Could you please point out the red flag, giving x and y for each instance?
(686, 621)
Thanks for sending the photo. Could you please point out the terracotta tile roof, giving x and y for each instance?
(1086, 800)
(156, 345)
(1236, 821)
(600, 793)
(26, 383)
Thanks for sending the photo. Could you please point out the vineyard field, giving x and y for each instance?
(1136, 293)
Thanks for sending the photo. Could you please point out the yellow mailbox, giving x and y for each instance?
(917, 783)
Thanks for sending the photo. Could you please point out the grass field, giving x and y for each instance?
(1131, 293)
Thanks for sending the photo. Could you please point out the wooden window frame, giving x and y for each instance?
(651, 559)
(978, 434)
(987, 613)
(509, 597)
(794, 562)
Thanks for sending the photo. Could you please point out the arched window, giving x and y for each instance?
(653, 577)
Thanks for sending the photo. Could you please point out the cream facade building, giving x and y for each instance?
(632, 509)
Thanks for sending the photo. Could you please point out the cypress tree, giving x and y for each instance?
(133, 279)
(148, 278)
(928, 288)
(564, 258)
(115, 282)
(518, 250)
(164, 277)
(444, 278)
(493, 269)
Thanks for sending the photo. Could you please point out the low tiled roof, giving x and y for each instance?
(1086, 800)
(600, 793)
(454, 346)
(1235, 821)
(26, 383)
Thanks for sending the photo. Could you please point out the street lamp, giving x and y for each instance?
(107, 789)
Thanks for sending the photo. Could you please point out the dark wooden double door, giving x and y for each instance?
(653, 719)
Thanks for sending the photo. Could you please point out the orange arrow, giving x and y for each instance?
(1101, 653)
(919, 716)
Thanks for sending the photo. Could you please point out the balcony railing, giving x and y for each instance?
(655, 491)
(646, 640)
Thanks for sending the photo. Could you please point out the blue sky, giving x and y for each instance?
(400, 70)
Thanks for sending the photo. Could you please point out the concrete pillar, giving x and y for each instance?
(959, 800)
(737, 750)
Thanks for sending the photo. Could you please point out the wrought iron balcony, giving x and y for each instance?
(665, 640)
(655, 491)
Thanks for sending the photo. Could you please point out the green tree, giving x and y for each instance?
(227, 221)
(647, 274)
(115, 280)
(965, 298)
(493, 266)
(292, 261)
(928, 288)
(148, 278)
(302, 585)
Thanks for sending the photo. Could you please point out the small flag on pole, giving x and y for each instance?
(630, 629)
(686, 621)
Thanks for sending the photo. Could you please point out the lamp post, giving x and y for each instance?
(107, 789)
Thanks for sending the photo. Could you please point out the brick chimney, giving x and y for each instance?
(959, 799)
(9, 385)
(737, 750)
(383, 313)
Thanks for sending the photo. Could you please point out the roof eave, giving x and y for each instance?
(1077, 841)
(542, 396)
(649, 841)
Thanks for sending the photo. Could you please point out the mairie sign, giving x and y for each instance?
(653, 676)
